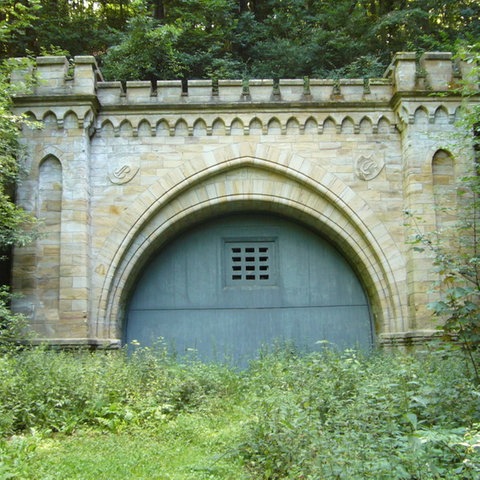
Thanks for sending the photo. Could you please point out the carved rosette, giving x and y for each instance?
(367, 167)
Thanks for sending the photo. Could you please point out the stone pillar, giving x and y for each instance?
(57, 291)
(74, 237)
(417, 180)
(421, 138)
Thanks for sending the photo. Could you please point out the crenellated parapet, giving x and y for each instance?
(75, 93)
(244, 91)
(433, 71)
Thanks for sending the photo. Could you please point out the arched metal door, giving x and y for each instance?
(230, 286)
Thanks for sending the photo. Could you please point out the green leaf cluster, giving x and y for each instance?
(237, 38)
(17, 227)
(325, 415)
(349, 417)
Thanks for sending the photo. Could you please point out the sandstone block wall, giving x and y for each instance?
(118, 170)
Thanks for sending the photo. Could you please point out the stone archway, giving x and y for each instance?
(239, 179)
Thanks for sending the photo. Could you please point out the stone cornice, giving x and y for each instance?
(64, 100)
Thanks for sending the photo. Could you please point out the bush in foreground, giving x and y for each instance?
(352, 417)
(323, 415)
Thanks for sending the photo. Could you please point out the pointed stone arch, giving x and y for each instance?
(237, 127)
(293, 126)
(366, 125)
(107, 129)
(144, 128)
(70, 119)
(181, 128)
(162, 128)
(199, 128)
(421, 116)
(50, 119)
(218, 127)
(48, 246)
(240, 178)
(444, 189)
(348, 126)
(311, 125)
(255, 127)
(126, 128)
(441, 116)
(274, 126)
(329, 125)
(383, 125)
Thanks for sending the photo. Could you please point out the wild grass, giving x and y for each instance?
(109, 415)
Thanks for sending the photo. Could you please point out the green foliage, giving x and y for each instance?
(288, 38)
(63, 391)
(325, 415)
(147, 51)
(17, 227)
(12, 325)
(85, 27)
(349, 417)
(16, 19)
(230, 38)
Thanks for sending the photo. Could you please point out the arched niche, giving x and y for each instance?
(444, 189)
(48, 246)
(236, 127)
(255, 127)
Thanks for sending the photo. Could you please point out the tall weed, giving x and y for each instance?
(348, 417)
(61, 391)
(323, 415)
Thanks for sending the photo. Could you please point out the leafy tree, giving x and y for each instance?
(235, 38)
(79, 28)
(176, 39)
(147, 51)
(17, 227)
(15, 19)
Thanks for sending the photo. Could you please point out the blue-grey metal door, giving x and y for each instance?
(230, 286)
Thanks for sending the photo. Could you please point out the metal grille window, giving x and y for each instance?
(250, 262)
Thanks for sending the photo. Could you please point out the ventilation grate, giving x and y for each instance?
(249, 262)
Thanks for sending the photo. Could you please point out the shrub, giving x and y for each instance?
(324, 415)
(61, 391)
(354, 417)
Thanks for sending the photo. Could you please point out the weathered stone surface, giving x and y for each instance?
(127, 170)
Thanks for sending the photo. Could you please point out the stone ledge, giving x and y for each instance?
(408, 339)
(72, 343)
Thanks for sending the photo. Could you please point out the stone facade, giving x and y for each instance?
(119, 170)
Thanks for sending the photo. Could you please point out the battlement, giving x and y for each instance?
(433, 71)
(234, 91)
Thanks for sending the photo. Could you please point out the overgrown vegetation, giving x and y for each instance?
(328, 415)
(324, 415)
(17, 227)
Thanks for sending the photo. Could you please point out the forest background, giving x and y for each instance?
(171, 39)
